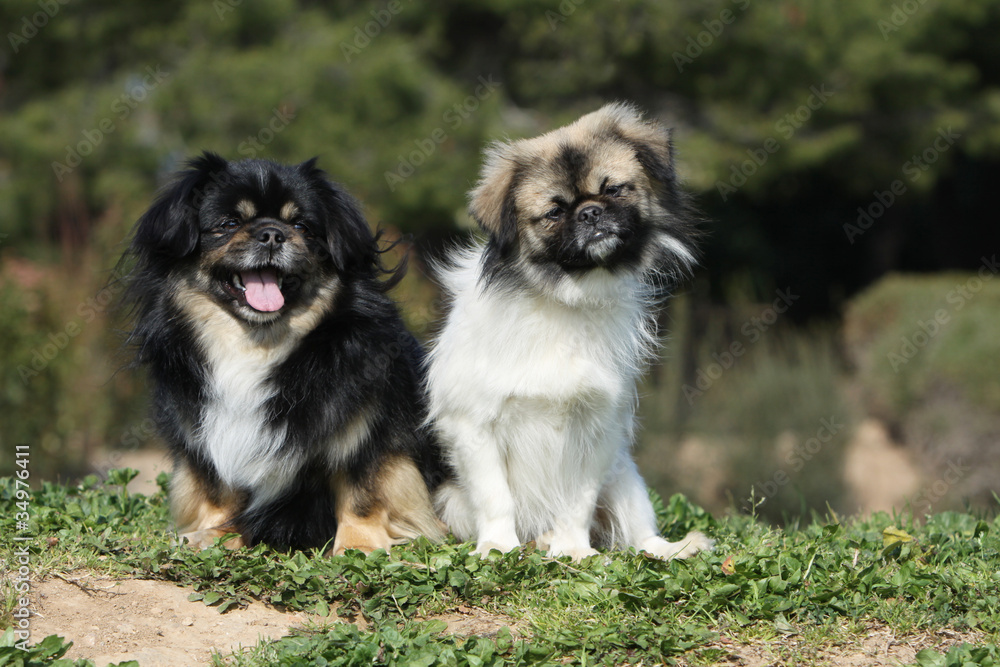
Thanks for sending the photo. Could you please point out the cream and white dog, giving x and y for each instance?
(532, 380)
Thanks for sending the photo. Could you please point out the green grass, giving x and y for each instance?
(823, 584)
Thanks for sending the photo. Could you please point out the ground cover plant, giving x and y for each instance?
(800, 593)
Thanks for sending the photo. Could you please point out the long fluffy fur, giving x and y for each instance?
(532, 381)
(284, 426)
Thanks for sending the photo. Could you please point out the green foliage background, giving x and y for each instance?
(361, 101)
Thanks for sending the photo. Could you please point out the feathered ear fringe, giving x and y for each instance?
(395, 273)
(169, 229)
(492, 202)
(349, 240)
(166, 233)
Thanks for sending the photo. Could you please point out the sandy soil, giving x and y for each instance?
(878, 474)
(149, 463)
(149, 621)
(154, 623)
(880, 648)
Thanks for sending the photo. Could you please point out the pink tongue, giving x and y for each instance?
(262, 291)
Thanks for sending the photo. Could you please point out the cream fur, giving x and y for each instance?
(533, 396)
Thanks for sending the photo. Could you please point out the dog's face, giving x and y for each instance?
(260, 255)
(261, 240)
(600, 194)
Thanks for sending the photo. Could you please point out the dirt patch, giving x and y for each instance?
(149, 621)
(468, 621)
(153, 622)
(879, 648)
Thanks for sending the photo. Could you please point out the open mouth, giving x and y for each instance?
(259, 289)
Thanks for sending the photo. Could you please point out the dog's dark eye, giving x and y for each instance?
(229, 224)
(614, 190)
(554, 213)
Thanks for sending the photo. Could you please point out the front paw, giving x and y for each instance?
(692, 543)
(484, 547)
(557, 546)
(575, 553)
(360, 538)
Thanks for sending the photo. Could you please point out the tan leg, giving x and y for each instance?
(361, 522)
(411, 512)
(199, 520)
(397, 510)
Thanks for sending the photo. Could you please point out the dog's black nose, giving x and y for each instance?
(589, 214)
(270, 236)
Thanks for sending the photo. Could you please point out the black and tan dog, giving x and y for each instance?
(283, 379)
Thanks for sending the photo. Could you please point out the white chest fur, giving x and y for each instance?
(234, 433)
(501, 345)
(548, 385)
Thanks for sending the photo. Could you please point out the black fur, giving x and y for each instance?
(572, 164)
(358, 357)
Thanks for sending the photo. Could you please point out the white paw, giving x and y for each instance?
(544, 541)
(562, 546)
(692, 543)
(484, 547)
(577, 554)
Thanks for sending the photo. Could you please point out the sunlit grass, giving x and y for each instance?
(823, 583)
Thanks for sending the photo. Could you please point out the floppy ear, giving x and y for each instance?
(650, 140)
(169, 228)
(346, 235)
(492, 201)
